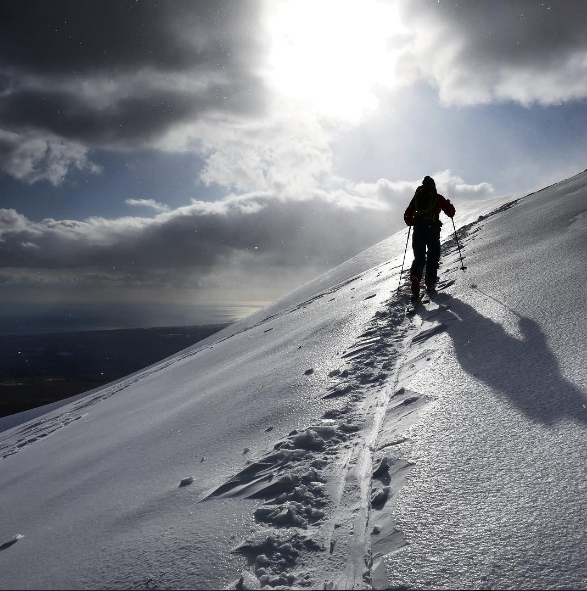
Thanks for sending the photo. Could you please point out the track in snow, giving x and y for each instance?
(326, 493)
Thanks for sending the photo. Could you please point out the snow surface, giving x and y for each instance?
(330, 441)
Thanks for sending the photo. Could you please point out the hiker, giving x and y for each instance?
(422, 213)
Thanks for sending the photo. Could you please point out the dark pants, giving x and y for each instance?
(426, 236)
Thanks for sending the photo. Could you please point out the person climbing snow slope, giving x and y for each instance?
(423, 214)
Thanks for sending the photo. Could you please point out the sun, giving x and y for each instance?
(332, 55)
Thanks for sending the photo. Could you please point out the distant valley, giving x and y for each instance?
(37, 369)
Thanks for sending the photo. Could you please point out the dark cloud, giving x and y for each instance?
(123, 75)
(478, 51)
(128, 121)
(516, 32)
(68, 37)
(118, 74)
(289, 234)
(259, 230)
(195, 241)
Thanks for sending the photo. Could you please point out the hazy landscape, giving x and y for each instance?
(37, 369)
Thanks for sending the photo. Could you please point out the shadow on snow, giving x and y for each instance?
(524, 370)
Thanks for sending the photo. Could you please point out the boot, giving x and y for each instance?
(431, 284)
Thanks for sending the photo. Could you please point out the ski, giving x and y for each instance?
(443, 284)
(413, 305)
(424, 298)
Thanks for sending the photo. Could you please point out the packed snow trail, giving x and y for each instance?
(316, 483)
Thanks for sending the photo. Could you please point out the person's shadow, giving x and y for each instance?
(524, 370)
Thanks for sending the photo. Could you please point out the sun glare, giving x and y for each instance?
(332, 54)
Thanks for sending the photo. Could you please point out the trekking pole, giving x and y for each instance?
(458, 245)
(406, 250)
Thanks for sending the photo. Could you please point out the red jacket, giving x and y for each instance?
(441, 204)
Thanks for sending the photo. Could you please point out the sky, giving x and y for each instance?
(220, 153)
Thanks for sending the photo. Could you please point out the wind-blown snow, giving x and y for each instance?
(329, 440)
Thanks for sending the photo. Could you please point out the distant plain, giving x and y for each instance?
(37, 369)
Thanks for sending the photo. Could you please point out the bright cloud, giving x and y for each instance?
(285, 154)
(479, 52)
(31, 157)
(150, 203)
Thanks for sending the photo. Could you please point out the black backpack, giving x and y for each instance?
(425, 205)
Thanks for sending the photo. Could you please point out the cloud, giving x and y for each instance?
(455, 188)
(65, 36)
(151, 203)
(195, 77)
(12, 221)
(389, 193)
(32, 157)
(67, 87)
(249, 87)
(479, 52)
(286, 154)
(256, 233)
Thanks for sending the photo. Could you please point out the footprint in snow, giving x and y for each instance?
(383, 468)
(334, 413)
(339, 391)
(380, 497)
(11, 542)
(186, 481)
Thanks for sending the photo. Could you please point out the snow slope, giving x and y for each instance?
(497, 497)
(249, 458)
